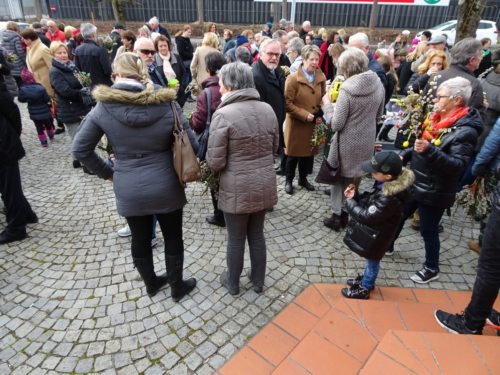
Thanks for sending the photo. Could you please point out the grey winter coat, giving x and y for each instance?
(139, 125)
(11, 41)
(243, 138)
(360, 105)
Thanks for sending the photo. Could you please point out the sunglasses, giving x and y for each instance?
(147, 51)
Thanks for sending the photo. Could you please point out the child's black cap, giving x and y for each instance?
(386, 162)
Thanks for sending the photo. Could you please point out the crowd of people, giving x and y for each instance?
(261, 95)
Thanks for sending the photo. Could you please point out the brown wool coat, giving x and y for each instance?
(198, 66)
(39, 62)
(301, 98)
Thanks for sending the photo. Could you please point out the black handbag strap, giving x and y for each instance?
(209, 108)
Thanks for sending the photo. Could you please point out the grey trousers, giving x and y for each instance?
(337, 193)
(239, 229)
(73, 128)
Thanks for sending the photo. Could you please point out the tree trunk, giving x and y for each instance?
(469, 15)
(116, 10)
(38, 9)
(200, 8)
(284, 9)
(374, 15)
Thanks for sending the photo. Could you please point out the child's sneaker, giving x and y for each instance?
(356, 292)
(355, 281)
(454, 323)
(44, 144)
(425, 275)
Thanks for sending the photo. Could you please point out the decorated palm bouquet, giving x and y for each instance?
(415, 115)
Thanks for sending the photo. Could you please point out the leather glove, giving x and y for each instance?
(87, 97)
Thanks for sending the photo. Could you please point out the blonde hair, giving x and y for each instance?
(144, 28)
(68, 32)
(12, 26)
(130, 65)
(248, 33)
(321, 32)
(55, 45)
(210, 39)
(419, 51)
(424, 67)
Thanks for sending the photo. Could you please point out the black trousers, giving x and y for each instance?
(305, 167)
(18, 208)
(171, 227)
(487, 282)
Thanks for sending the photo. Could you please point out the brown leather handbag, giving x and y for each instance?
(186, 164)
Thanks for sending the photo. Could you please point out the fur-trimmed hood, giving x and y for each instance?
(131, 95)
(133, 105)
(402, 183)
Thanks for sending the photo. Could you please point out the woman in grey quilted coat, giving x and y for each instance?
(243, 138)
(138, 120)
(359, 106)
(11, 41)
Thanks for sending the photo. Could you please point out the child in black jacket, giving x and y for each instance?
(38, 106)
(375, 217)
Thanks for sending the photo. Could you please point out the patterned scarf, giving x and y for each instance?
(435, 127)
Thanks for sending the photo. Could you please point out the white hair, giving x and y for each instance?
(265, 43)
(139, 41)
(351, 62)
(458, 87)
(361, 37)
(154, 20)
(306, 24)
(87, 30)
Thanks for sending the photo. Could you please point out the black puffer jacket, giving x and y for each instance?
(70, 107)
(11, 148)
(38, 101)
(438, 169)
(381, 211)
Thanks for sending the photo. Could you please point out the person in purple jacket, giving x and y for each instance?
(213, 61)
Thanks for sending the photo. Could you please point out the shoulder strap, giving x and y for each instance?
(177, 122)
(209, 106)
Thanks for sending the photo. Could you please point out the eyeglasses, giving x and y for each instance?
(273, 54)
(147, 51)
(439, 97)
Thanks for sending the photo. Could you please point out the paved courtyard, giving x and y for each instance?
(71, 301)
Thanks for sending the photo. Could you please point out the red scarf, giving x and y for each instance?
(433, 127)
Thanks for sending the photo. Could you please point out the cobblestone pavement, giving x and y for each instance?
(71, 302)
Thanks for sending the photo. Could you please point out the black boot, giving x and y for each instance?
(306, 184)
(344, 219)
(179, 287)
(146, 269)
(218, 217)
(333, 222)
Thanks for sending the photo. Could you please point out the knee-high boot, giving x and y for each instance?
(146, 269)
(179, 287)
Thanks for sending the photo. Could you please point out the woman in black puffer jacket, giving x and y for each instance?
(72, 99)
(438, 160)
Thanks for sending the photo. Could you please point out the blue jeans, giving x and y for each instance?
(153, 235)
(371, 273)
(429, 230)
